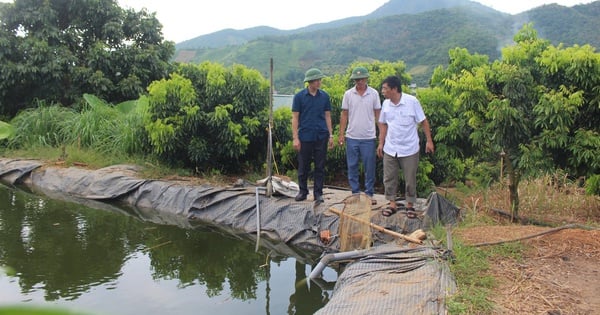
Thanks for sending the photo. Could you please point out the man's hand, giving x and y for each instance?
(429, 147)
(296, 144)
(380, 150)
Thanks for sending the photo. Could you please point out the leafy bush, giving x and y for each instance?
(209, 117)
(592, 185)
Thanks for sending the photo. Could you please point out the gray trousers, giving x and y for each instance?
(391, 167)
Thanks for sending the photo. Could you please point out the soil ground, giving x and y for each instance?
(558, 274)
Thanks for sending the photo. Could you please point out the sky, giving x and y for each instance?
(186, 19)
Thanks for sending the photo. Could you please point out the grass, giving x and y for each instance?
(553, 198)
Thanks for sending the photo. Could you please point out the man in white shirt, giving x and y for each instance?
(401, 115)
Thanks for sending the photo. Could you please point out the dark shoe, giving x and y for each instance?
(388, 211)
(300, 197)
(319, 199)
(410, 213)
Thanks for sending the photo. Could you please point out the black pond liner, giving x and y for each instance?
(393, 277)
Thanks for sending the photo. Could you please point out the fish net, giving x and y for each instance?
(354, 230)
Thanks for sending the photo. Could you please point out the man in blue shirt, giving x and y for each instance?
(312, 133)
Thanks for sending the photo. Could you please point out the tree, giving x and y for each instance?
(454, 99)
(529, 110)
(57, 50)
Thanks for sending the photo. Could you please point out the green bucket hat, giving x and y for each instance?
(359, 73)
(313, 74)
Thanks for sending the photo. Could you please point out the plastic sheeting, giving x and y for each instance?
(13, 171)
(393, 280)
(441, 211)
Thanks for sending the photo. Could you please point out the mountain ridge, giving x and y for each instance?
(429, 34)
(392, 7)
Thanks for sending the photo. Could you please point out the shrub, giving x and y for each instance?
(592, 185)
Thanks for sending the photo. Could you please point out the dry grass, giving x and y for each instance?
(547, 199)
(551, 274)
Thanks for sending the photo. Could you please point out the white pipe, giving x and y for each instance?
(317, 272)
(258, 218)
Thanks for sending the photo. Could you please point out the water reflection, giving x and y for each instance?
(306, 300)
(77, 256)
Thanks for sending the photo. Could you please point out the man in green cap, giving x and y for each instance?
(312, 133)
(361, 106)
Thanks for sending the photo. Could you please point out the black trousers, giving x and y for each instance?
(312, 151)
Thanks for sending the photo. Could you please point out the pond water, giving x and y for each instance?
(55, 253)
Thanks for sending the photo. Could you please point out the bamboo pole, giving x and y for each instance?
(377, 227)
(270, 138)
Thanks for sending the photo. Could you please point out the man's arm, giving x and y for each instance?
(343, 124)
(382, 134)
(429, 147)
(296, 140)
(329, 127)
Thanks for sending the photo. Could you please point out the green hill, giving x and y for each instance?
(420, 38)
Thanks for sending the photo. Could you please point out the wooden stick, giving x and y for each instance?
(377, 227)
(568, 226)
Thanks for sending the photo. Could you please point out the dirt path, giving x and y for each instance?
(559, 273)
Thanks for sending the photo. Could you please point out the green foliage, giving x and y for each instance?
(592, 185)
(534, 161)
(425, 185)
(482, 174)
(95, 126)
(43, 126)
(56, 51)
(206, 116)
(130, 135)
(99, 126)
(172, 113)
(573, 72)
(449, 134)
(584, 153)
(6, 130)
(107, 128)
(283, 157)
